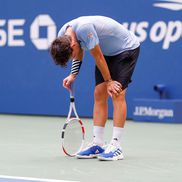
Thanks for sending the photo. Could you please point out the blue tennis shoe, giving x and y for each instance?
(112, 153)
(90, 152)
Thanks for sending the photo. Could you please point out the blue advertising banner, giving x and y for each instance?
(31, 84)
(155, 110)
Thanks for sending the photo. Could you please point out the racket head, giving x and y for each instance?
(72, 136)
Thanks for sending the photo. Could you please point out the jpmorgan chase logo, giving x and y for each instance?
(149, 111)
(12, 32)
(42, 21)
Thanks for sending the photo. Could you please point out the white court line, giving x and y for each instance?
(33, 179)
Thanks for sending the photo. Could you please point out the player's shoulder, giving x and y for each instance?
(84, 26)
(62, 30)
(65, 26)
(83, 22)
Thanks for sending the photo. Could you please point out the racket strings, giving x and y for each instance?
(73, 136)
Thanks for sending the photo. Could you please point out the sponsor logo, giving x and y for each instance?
(97, 151)
(90, 35)
(153, 112)
(159, 32)
(15, 32)
(174, 5)
(12, 31)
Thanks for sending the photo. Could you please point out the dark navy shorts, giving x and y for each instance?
(121, 67)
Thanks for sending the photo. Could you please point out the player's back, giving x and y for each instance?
(113, 37)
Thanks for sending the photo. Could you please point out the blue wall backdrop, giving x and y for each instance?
(31, 84)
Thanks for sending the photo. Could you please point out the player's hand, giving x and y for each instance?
(114, 88)
(68, 81)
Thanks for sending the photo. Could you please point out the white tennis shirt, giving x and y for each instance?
(112, 37)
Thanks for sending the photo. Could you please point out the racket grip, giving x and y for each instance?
(72, 99)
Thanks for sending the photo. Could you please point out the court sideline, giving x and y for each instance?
(30, 147)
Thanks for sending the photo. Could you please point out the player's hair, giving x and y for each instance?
(61, 50)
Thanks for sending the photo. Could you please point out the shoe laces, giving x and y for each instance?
(90, 144)
(110, 148)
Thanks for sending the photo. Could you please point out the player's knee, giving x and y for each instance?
(100, 94)
(120, 97)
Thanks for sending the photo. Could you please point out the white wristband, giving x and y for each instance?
(76, 64)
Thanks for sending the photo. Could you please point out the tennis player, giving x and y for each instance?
(115, 50)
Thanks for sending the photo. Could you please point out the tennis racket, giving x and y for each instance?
(73, 132)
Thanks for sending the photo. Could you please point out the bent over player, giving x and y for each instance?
(115, 50)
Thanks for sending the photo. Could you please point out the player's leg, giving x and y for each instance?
(120, 110)
(122, 67)
(114, 150)
(100, 112)
(100, 117)
(119, 118)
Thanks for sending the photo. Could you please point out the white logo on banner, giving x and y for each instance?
(149, 111)
(175, 5)
(12, 31)
(13, 35)
(42, 21)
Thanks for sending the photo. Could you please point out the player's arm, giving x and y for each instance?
(77, 57)
(76, 62)
(100, 62)
(90, 41)
(113, 87)
(77, 54)
(75, 68)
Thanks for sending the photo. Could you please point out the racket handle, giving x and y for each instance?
(71, 93)
(72, 99)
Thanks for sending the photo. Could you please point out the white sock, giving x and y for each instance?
(98, 133)
(117, 135)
